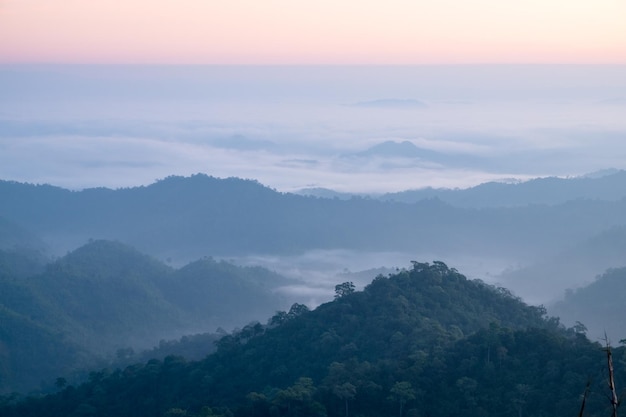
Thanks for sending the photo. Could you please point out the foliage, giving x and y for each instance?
(425, 341)
(341, 290)
(107, 297)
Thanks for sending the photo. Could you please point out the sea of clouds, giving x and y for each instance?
(300, 127)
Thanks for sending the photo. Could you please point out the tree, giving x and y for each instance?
(609, 357)
(580, 328)
(402, 392)
(345, 392)
(296, 310)
(468, 387)
(298, 397)
(343, 289)
(520, 397)
(279, 318)
(60, 382)
(175, 412)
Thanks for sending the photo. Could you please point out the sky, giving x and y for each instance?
(321, 32)
(301, 94)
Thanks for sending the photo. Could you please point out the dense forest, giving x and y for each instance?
(106, 296)
(425, 341)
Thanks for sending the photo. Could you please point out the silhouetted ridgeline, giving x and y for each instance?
(187, 218)
(609, 186)
(425, 341)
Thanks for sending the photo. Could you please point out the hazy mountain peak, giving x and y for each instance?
(109, 260)
(178, 182)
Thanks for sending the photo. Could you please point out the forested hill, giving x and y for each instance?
(56, 319)
(187, 218)
(422, 342)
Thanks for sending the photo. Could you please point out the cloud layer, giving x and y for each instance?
(295, 127)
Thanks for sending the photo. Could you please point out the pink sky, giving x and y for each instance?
(313, 32)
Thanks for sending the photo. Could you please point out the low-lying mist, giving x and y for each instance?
(320, 270)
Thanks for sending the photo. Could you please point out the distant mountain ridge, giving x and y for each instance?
(202, 215)
(607, 185)
(549, 190)
(182, 219)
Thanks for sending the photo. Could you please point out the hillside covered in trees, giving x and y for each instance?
(421, 342)
(64, 316)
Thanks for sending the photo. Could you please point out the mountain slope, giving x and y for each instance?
(14, 237)
(408, 313)
(20, 263)
(107, 296)
(576, 266)
(427, 340)
(32, 354)
(220, 291)
(599, 305)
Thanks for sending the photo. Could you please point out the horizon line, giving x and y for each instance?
(162, 64)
